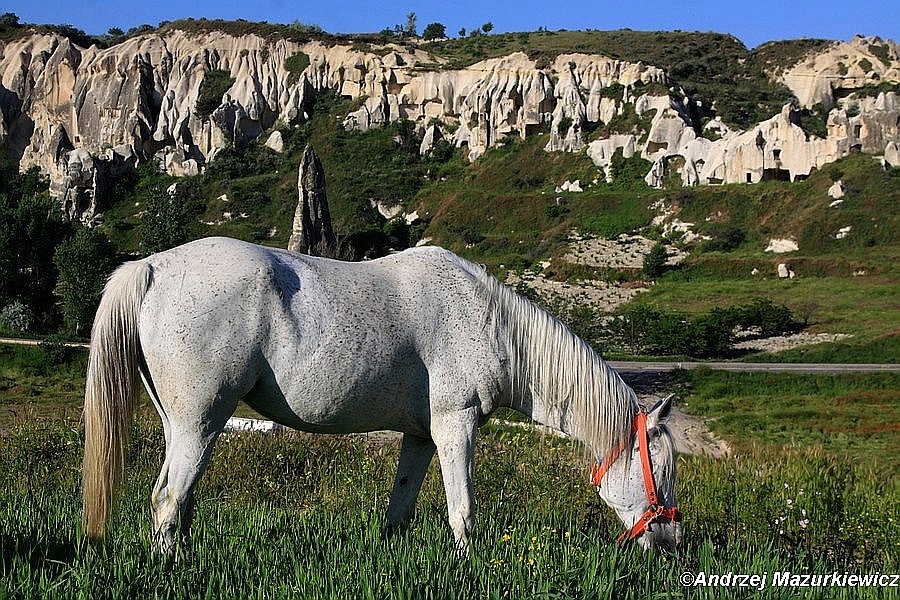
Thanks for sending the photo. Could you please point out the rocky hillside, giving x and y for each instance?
(84, 115)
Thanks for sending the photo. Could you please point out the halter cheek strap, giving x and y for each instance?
(654, 510)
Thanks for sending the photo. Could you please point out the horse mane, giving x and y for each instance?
(551, 365)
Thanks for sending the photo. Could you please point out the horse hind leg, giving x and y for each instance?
(188, 449)
(415, 457)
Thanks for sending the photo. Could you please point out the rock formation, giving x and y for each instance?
(136, 101)
(312, 232)
(822, 77)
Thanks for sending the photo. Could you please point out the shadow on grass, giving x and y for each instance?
(41, 550)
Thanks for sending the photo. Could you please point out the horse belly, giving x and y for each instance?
(346, 396)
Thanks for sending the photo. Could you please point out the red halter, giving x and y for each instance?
(654, 511)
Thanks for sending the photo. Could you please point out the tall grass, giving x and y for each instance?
(301, 517)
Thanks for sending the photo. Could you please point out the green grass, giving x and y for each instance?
(810, 488)
(30, 388)
(853, 416)
(282, 517)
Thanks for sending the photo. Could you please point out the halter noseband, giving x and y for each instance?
(654, 511)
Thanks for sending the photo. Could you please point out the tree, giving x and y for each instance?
(84, 261)
(164, 224)
(462, 32)
(410, 29)
(655, 261)
(115, 32)
(31, 226)
(9, 20)
(434, 31)
(487, 27)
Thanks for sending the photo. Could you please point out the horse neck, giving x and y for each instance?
(558, 380)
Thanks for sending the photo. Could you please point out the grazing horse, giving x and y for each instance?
(422, 342)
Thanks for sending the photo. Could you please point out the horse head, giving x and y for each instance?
(638, 481)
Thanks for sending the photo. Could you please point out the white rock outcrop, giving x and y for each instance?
(784, 271)
(781, 246)
(842, 66)
(836, 190)
(275, 142)
(777, 148)
(892, 154)
(136, 101)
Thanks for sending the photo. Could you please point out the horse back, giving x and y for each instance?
(315, 340)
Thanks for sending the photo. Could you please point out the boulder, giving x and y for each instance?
(784, 272)
(431, 137)
(836, 190)
(569, 186)
(387, 211)
(275, 142)
(782, 246)
(892, 154)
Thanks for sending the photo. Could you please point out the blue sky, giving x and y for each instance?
(752, 22)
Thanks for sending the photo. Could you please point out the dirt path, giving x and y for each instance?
(691, 434)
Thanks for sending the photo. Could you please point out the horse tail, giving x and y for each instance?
(110, 392)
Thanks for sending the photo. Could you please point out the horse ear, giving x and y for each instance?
(660, 412)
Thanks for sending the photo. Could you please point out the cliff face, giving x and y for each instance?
(81, 115)
(826, 76)
(136, 100)
(77, 112)
(505, 96)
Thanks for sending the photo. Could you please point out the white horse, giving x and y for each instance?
(421, 342)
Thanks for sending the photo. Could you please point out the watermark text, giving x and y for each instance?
(789, 579)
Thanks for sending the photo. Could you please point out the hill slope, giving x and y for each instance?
(644, 122)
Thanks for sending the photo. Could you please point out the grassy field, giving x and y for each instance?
(811, 487)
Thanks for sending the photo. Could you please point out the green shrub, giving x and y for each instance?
(655, 261)
(563, 126)
(771, 319)
(881, 52)
(647, 330)
(55, 350)
(16, 316)
(164, 223)
(397, 232)
(215, 84)
(814, 121)
(434, 31)
(628, 173)
(84, 261)
(555, 211)
(295, 64)
(31, 226)
(725, 239)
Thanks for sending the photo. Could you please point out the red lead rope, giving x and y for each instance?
(654, 511)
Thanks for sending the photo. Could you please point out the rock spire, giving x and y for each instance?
(312, 232)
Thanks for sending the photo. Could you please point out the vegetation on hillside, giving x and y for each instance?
(504, 210)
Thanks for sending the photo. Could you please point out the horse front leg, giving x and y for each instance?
(415, 457)
(454, 436)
